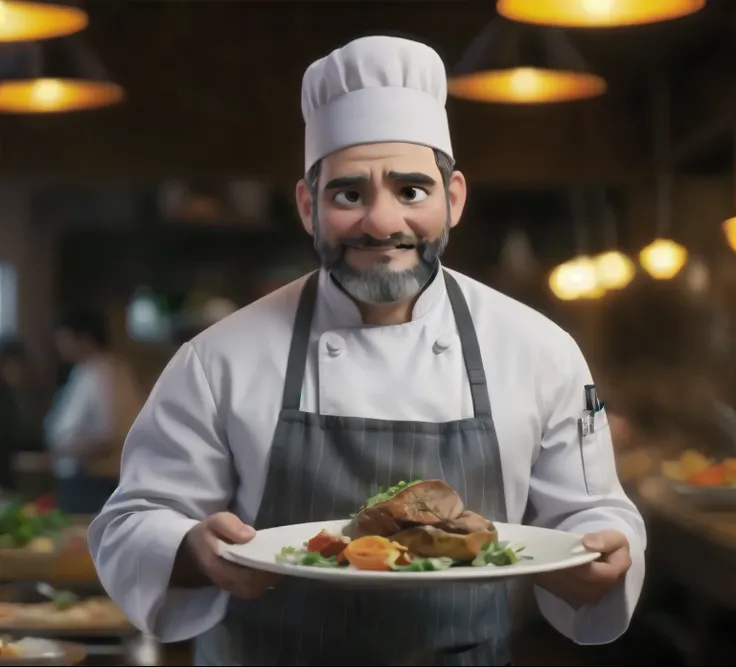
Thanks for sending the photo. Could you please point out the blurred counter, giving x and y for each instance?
(656, 498)
(70, 562)
(690, 592)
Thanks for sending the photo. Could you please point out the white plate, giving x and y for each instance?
(36, 652)
(550, 550)
(707, 497)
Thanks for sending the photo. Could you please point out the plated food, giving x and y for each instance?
(30, 526)
(412, 534)
(31, 651)
(411, 527)
(696, 469)
(65, 611)
(9, 649)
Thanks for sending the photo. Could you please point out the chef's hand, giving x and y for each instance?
(587, 584)
(198, 562)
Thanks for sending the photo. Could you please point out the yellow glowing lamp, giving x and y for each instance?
(575, 279)
(561, 284)
(526, 85)
(663, 259)
(614, 270)
(47, 95)
(729, 229)
(58, 75)
(596, 13)
(22, 21)
(513, 63)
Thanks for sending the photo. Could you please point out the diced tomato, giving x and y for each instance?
(334, 549)
(327, 545)
(713, 476)
(44, 503)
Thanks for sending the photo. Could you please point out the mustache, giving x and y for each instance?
(394, 241)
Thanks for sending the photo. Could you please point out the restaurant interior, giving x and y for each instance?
(148, 156)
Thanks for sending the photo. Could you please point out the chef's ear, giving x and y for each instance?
(457, 194)
(304, 205)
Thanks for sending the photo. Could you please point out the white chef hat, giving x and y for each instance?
(375, 89)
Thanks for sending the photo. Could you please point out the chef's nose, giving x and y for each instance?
(382, 218)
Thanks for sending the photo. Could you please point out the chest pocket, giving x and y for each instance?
(597, 456)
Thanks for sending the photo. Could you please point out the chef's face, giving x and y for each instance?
(380, 215)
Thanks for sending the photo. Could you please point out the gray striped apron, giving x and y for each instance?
(325, 467)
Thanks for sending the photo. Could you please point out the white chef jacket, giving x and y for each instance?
(201, 443)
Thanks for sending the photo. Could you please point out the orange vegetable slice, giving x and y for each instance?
(713, 476)
(729, 466)
(373, 553)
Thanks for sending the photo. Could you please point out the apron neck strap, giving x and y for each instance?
(299, 349)
(471, 349)
(297, 364)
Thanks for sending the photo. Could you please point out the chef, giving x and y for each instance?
(382, 366)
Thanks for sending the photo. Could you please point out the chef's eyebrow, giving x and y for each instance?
(346, 182)
(415, 177)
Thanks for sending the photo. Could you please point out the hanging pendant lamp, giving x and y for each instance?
(664, 257)
(596, 13)
(729, 231)
(54, 77)
(614, 270)
(729, 225)
(511, 63)
(22, 21)
(577, 279)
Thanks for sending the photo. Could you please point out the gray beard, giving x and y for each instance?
(379, 285)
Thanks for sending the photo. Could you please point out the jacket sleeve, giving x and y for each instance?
(176, 471)
(575, 487)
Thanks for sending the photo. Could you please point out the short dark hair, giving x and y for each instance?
(87, 322)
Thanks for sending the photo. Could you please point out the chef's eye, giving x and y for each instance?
(347, 198)
(414, 194)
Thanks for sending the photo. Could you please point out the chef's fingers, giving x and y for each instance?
(243, 582)
(226, 526)
(605, 541)
(608, 570)
(620, 560)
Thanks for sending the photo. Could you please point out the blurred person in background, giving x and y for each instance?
(9, 425)
(91, 413)
(16, 370)
(20, 417)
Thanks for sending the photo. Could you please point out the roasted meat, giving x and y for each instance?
(467, 522)
(431, 542)
(429, 518)
(422, 504)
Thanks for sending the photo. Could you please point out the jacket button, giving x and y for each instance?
(442, 343)
(334, 345)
